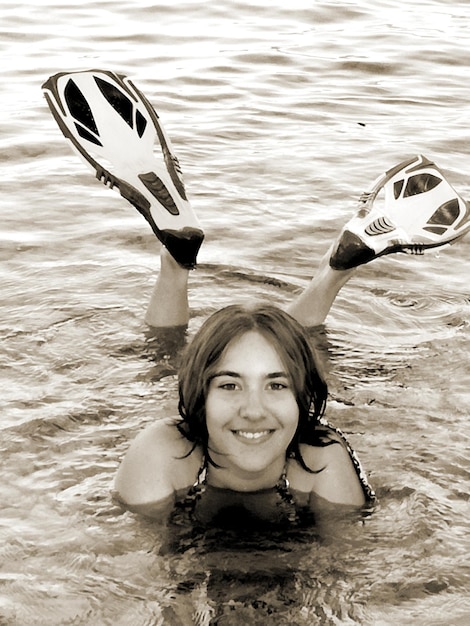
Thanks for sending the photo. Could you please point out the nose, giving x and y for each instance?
(252, 407)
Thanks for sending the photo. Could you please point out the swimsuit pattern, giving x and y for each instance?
(190, 502)
(369, 493)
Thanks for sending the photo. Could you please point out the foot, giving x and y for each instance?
(118, 134)
(421, 210)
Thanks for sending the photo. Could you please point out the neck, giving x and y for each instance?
(227, 477)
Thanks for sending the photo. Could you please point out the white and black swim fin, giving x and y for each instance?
(420, 210)
(116, 131)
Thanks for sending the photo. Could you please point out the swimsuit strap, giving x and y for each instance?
(369, 493)
(196, 490)
(201, 480)
(283, 489)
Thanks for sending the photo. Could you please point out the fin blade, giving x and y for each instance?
(421, 210)
(115, 130)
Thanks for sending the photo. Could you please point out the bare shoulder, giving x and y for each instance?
(336, 478)
(155, 465)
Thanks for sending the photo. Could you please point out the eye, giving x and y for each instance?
(224, 384)
(278, 386)
(227, 386)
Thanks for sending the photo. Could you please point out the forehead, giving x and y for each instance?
(253, 351)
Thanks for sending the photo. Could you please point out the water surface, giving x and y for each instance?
(281, 114)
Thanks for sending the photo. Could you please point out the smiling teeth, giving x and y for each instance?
(250, 435)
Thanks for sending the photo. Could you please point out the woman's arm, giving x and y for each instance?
(146, 472)
(336, 480)
(339, 482)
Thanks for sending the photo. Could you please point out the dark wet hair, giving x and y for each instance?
(291, 342)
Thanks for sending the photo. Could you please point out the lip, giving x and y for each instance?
(253, 436)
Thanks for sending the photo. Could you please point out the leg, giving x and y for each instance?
(168, 304)
(169, 307)
(414, 218)
(311, 307)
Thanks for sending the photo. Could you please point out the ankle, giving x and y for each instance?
(169, 268)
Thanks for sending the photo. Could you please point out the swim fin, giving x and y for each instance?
(115, 129)
(421, 210)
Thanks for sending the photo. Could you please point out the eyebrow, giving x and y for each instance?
(237, 375)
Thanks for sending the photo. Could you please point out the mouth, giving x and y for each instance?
(253, 436)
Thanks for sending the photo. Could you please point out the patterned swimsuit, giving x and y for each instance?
(206, 504)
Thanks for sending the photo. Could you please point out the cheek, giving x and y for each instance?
(295, 418)
(216, 411)
(291, 424)
(292, 407)
(288, 412)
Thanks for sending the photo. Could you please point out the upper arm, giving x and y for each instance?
(338, 481)
(145, 472)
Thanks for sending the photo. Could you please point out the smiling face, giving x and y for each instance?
(251, 414)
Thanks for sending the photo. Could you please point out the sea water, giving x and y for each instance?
(281, 114)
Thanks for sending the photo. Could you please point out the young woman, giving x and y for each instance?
(252, 397)
(250, 428)
(250, 422)
(250, 433)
